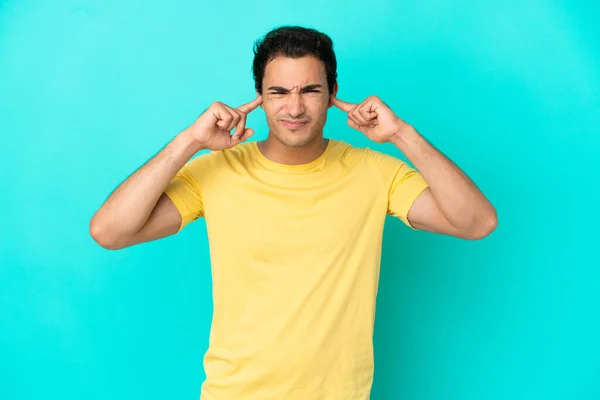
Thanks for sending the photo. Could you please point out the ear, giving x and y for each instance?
(260, 94)
(332, 95)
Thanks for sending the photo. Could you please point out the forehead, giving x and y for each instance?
(287, 72)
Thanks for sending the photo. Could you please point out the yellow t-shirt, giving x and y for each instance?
(295, 253)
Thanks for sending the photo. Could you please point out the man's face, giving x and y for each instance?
(295, 99)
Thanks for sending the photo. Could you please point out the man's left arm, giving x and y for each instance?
(452, 204)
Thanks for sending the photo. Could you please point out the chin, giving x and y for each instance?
(295, 139)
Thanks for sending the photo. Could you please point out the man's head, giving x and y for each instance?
(295, 71)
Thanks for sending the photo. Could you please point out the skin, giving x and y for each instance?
(295, 90)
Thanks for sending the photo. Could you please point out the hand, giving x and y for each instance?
(373, 118)
(212, 129)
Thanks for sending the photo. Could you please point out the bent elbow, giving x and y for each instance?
(484, 228)
(102, 237)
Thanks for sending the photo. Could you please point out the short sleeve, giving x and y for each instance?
(185, 189)
(404, 185)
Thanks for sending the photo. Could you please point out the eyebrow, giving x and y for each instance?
(308, 87)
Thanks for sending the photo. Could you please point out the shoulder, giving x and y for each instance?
(240, 154)
(214, 158)
(341, 149)
(199, 162)
(368, 156)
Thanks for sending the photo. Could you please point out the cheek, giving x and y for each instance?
(270, 111)
(319, 108)
(273, 104)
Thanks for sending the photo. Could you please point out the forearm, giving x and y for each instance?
(127, 209)
(459, 199)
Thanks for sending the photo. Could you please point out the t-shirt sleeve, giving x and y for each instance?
(404, 185)
(185, 189)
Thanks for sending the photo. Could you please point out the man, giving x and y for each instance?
(295, 223)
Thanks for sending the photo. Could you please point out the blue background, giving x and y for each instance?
(89, 91)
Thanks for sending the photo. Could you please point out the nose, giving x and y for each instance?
(295, 107)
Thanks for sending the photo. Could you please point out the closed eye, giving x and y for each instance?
(304, 91)
(279, 90)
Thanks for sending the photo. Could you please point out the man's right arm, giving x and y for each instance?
(138, 210)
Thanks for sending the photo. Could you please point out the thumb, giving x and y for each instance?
(354, 125)
(246, 135)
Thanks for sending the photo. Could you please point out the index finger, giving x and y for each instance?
(246, 108)
(342, 105)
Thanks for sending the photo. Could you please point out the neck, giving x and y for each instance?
(278, 152)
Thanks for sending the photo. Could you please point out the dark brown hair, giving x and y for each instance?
(294, 42)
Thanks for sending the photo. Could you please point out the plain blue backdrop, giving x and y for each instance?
(510, 91)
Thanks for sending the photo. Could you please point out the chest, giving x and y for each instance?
(256, 218)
